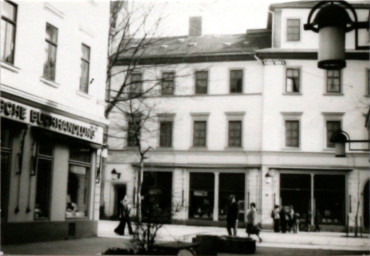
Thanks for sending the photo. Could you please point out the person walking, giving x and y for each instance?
(283, 222)
(124, 217)
(291, 218)
(252, 227)
(296, 222)
(275, 215)
(232, 216)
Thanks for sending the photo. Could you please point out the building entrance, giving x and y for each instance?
(120, 192)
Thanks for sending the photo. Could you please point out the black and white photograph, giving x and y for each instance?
(185, 127)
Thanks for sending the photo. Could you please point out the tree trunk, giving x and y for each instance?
(138, 192)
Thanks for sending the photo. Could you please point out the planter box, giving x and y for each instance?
(236, 245)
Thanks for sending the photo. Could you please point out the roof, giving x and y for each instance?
(310, 4)
(207, 45)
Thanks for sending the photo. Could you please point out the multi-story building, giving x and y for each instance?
(53, 62)
(250, 115)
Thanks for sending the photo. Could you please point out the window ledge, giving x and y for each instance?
(292, 93)
(50, 83)
(198, 148)
(234, 149)
(291, 149)
(333, 94)
(9, 67)
(83, 94)
(329, 149)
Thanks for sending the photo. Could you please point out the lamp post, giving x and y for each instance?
(340, 138)
(331, 21)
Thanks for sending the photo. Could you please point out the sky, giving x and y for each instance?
(218, 16)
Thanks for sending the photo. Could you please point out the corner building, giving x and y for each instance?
(246, 107)
(52, 118)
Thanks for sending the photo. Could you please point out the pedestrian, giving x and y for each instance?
(296, 222)
(317, 220)
(232, 216)
(283, 222)
(124, 217)
(252, 227)
(308, 221)
(275, 215)
(291, 218)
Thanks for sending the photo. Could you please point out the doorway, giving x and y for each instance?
(366, 213)
(120, 192)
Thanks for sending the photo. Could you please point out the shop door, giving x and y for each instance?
(295, 190)
(366, 194)
(157, 191)
(120, 191)
(231, 184)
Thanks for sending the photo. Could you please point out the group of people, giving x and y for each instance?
(287, 220)
(232, 219)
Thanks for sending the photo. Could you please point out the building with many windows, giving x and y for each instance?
(249, 115)
(52, 118)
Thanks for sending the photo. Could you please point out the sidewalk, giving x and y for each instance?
(309, 240)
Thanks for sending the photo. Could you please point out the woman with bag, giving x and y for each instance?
(252, 228)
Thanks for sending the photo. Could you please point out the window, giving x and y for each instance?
(85, 68)
(235, 133)
(78, 185)
(200, 134)
(333, 81)
(368, 82)
(165, 139)
(202, 189)
(236, 81)
(293, 29)
(8, 28)
(133, 131)
(168, 83)
(331, 127)
(50, 52)
(6, 153)
(43, 179)
(292, 80)
(201, 82)
(136, 84)
(292, 133)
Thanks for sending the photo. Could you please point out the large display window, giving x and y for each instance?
(231, 184)
(202, 187)
(6, 150)
(79, 177)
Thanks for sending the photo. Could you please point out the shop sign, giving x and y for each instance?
(201, 193)
(57, 123)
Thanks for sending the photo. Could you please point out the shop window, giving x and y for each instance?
(200, 134)
(331, 127)
(201, 196)
(292, 133)
(8, 28)
(295, 190)
(50, 52)
(77, 203)
(333, 81)
(80, 153)
(235, 133)
(201, 82)
(231, 184)
(292, 80)
(6, 140)
(236, 81)
(168, 83)
(293, 30)
(85, 68)
(329, 193)
(165, 139)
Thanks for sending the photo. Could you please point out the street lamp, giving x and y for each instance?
(115, 175)
(340, 138)
(268, 177)
(331, 22)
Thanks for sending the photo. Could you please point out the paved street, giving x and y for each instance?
(304, 243)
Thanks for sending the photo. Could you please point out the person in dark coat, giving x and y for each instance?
(283, 221)
(317, 220)
(252, 225)
(275, 215)
(124, 217)
(232, 216)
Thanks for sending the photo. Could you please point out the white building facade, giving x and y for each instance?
(245, 106)
(53, 61)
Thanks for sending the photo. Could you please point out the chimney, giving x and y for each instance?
(195, 26)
